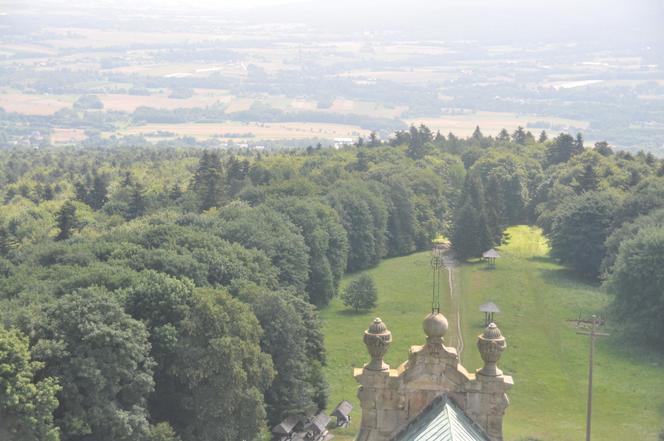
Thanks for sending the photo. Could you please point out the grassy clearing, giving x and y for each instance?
(547, 359)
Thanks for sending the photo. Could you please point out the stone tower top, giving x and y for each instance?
(377, 339)
(435, 326)
(491, 345)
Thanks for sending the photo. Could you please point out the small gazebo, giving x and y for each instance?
(489, 309)
(490, 257)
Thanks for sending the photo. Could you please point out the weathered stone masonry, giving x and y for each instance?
(390, 398)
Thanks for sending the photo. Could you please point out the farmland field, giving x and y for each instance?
(545, 356)
(265, 131)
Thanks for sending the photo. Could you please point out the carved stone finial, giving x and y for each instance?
(491, 344)
(435, 326)
(378, 339)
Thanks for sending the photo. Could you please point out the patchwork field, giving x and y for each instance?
(493, 122)
(239, 131)
(546, 357)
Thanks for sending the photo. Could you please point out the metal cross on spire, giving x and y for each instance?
(593, 334)
(437, 265)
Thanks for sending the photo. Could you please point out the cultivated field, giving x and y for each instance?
(546, 357)
(493, 122)
(259, 131)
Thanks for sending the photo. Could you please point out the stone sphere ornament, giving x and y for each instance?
(435, 326)
(491, 345)
(377, 339)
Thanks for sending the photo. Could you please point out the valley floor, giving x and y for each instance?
(546, 357)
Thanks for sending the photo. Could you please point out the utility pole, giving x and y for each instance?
(593, 334)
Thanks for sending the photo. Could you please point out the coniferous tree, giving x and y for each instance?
(562, 149)
(66, 220)
(503, 137)
(602, 147)
(519, 136)
(209, 181)
(472, 231)
(98, 195)
(542, 137)
(477, 134)
(137, 205)
(373, 140)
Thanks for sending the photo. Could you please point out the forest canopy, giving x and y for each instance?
(173, 293)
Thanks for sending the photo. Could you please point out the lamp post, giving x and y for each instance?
(593, 334)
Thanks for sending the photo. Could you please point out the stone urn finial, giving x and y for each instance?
(378, 339)
(435, 326)
(491, 344)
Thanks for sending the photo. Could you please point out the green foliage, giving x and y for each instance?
(627, 231)
(88, 102)
(326, 239)
(220, 372)
(163, 432)
(67, 222)
(284, 338)
(472, 230)
(645, 197)
(580, 229)
(360, 293)
(638, 283)
(26, 405)
(562, 149)
(265, 229)
(208, 181)
(364, 216)
(100, 356)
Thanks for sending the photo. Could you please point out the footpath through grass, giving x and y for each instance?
(546, 357)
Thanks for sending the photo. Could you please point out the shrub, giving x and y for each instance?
(360, 293)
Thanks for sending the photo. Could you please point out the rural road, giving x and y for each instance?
(451, 265)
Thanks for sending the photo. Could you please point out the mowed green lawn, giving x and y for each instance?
(548, 360)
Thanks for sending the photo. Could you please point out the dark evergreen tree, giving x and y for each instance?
(503, 137)
(477, 135)
(98, 194)
(562, 149)
(519, 136)
(542, 137)
(602, 147)
(471, 231)
(66, 220)
(208, 181)
(137, 203)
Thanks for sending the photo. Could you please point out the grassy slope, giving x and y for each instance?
(545, 356)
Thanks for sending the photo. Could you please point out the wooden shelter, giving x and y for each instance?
(317, 427)
(489, 309)
(285, 429)
(342, 413)
(490, 257)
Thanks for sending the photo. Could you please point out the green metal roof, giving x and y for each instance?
(442, 420)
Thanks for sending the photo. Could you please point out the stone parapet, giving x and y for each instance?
(390, 398)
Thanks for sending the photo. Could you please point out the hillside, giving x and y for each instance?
(545, 356)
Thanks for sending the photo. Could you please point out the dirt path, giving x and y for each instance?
(451, 265)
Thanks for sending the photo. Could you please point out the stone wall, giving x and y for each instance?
(390, 398)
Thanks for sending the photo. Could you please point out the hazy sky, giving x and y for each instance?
(611, 22)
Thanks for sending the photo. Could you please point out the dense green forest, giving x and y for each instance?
(165, 294)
